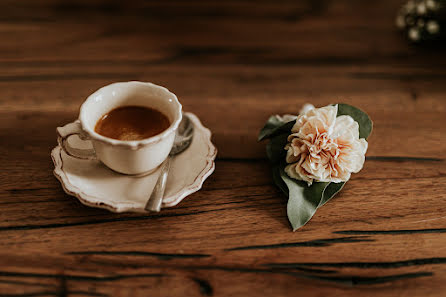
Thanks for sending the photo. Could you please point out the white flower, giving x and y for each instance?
(323, 147)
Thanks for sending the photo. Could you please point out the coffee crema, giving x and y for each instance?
(132, 123)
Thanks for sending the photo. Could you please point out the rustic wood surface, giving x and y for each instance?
(233, 63)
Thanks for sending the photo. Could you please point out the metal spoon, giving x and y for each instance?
(183, 139)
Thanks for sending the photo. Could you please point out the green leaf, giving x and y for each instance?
(278, 180)
(330, 191)
(365, 124)
(274, 127)
(303, 200)
(275, 148)
(270, 126)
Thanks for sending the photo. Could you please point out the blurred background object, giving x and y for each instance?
(423, 20)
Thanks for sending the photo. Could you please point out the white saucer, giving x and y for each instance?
(97, 186)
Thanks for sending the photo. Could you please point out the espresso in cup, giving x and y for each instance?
(132, 123)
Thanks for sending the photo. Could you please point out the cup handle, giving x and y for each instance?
(71, 129)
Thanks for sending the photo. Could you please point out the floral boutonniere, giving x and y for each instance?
(314, 154)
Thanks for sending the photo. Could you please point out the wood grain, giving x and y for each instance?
(233, 63)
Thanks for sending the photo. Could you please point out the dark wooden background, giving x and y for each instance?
(233, 63)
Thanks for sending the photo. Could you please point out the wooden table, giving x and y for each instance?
(233, 64)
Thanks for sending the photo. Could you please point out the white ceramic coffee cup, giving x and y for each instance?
(128, 157)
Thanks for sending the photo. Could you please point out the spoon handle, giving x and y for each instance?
(156, 198)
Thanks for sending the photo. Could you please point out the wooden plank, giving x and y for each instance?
(237, 139)
(255, 200)
(290, 33)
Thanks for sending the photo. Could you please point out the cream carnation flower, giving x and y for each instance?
(323, 147)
